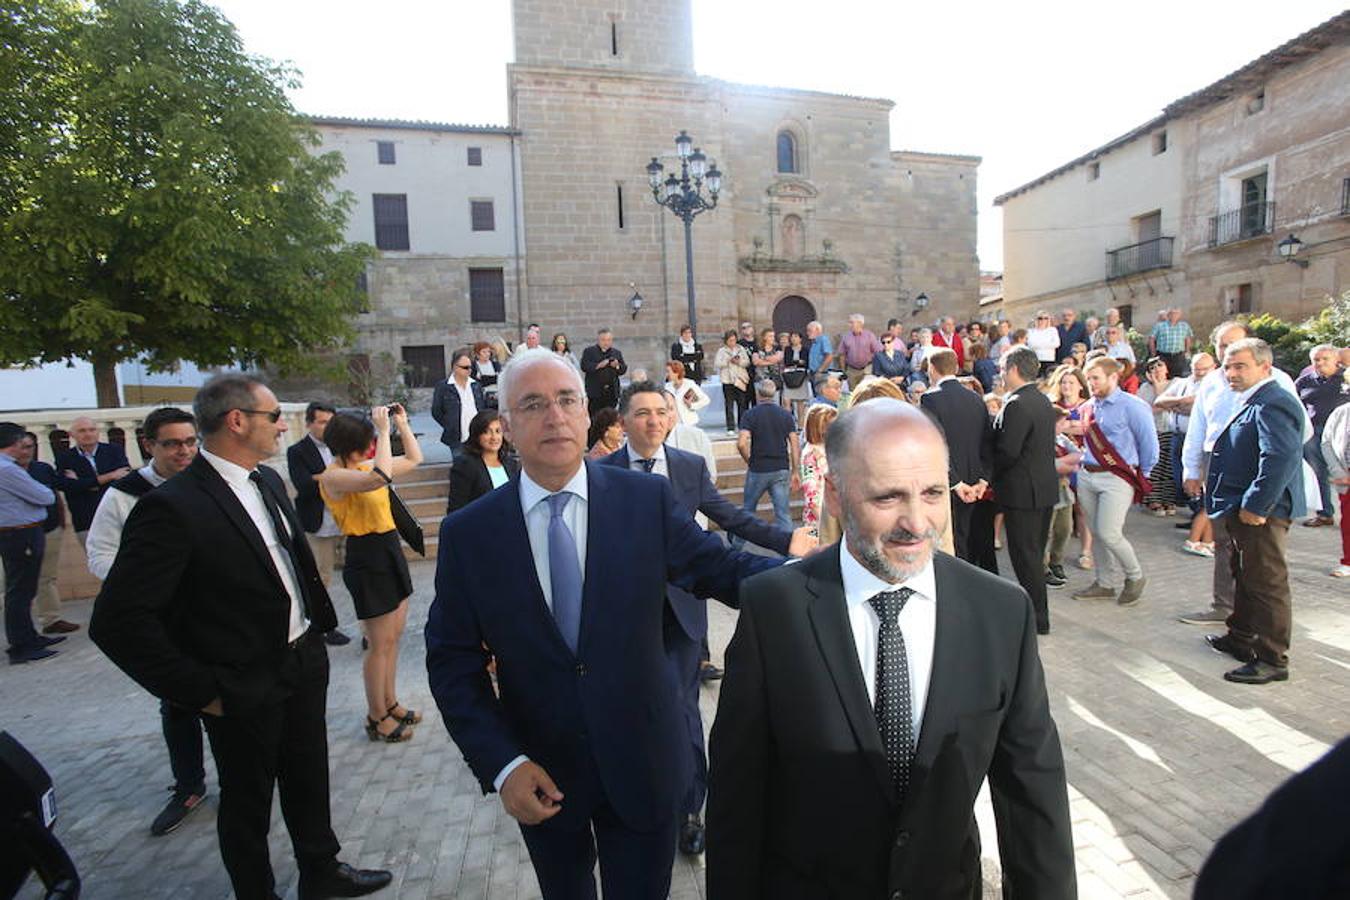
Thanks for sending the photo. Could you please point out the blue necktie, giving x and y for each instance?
(564, 571)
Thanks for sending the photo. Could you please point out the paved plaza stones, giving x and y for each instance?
(1163, 755)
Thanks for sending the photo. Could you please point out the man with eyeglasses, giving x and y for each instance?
(563, 574)
(214, 604)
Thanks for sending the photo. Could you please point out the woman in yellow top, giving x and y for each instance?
(355, 489)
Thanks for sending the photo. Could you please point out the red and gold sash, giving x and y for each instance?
(1109, 459)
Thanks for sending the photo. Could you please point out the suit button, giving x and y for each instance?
(581, 668)
(901, 840)
(896, 895)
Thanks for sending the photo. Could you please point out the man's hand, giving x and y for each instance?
(529, 795)
(804, 543)
(214, 708)
(981, 487)
(113, 475)
(1246, 517)
(1345, 480)
(795, 482)
(964, 492)
(1193, 487)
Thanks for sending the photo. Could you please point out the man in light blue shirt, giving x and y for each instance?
(1105, 495)
(23, 510)
(820, 354)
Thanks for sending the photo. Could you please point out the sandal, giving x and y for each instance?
(1085, 562)
(409, 717)
(400, 733)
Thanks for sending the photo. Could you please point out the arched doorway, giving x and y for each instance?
(792, 313)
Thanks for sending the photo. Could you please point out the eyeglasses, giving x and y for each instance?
(178, 444)
(273, 415)
(537, 407)
(464, 368)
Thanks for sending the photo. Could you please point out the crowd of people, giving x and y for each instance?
(553, 681)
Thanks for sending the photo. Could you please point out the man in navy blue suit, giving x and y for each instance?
(1255, 486)
(84, 472)
(647, 422)
(561, 575)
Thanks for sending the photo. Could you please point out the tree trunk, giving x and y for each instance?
(105, 383)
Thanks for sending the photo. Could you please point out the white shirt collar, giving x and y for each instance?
(532, 494)
(148, 472)
(233, 473)
(1246, 395)
(659, 455)
(861, 585)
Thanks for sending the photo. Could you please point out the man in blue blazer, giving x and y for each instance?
(646, 420)
(561, 575)
(1255, 486)
(84, 471)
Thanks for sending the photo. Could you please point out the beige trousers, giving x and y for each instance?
(48, 600)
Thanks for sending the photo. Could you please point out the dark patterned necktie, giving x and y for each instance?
(283, 536)
(893, 707)
(647, 464)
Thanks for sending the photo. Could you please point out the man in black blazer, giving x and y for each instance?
(646, 421)
(602, 364)
(964, 420)
(214, 603)
(869, 691)
(1025, 484)
(451, 400)
(306, 458)
(84, 471)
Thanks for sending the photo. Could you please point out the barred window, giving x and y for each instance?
(391, 221)
(481, 215)
(487, 295)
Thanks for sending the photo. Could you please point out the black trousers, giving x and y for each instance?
(21, 552)
(283, 744)
(1027, 531)
(183, 737)
(980, 541)
(961, 518)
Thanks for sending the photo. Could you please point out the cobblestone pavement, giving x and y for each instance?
(1163, 755)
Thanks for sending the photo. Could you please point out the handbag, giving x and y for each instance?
(405, 523)
(794, 378)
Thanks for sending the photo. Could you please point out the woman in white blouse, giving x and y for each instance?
(689, 397)
(1043, 337)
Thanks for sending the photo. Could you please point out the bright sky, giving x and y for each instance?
(1028, 86)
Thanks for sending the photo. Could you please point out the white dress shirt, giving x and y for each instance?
(250, 497)
(660, 468)
(918, 623)
(533, 504)
(329, 526)
(467, 408)
(105, 531)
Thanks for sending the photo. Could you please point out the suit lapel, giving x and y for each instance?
(828, 612)
(216, 488)
(598, 536)
(524, 579)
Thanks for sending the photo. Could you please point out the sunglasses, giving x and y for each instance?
(273, 415)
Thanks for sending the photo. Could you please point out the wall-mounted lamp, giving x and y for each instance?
(635, 301)
(1289, 249)
(920, 304)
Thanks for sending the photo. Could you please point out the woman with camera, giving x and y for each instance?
(355, 487)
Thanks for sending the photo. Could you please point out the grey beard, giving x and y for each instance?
(875, 560)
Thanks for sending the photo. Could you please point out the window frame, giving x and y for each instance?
(477, 207)
(476, 313)
(386, 226)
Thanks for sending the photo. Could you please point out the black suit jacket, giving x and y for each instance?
(602, 385)
(83, 492)
(800, 803)
(193, 608)
(303, 462)
(964, 420)
(445, 409)
(1024, 451)
(469, 478)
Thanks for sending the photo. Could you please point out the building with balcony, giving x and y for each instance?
(1187, 209)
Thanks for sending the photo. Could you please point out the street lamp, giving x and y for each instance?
(1289, 249)
(920, 304)
(635, 301)
(683, 195)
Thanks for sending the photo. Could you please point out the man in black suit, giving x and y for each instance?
(1025, 484)
(84, 471)
(457, 400)
(306, 458)
(214, 603)
(602, 364)
(646, 422)
(870, 689)
(964, 420)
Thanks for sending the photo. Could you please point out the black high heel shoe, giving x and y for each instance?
(409, 717)
(403, 732)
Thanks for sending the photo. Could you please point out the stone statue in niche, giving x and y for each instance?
(794, 237)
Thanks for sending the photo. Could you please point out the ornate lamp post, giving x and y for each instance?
(683, 195)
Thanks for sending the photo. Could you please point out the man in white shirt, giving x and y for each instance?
(871, 688)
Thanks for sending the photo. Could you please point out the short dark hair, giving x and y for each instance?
(10, 434)
(1024, 361)
(600, 423)
(347, 433)
(634, 388)
(220, 394)
(478, 426)
(165, 415)
(729, 333)
(315, 407)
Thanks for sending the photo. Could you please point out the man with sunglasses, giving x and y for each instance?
(214, 604)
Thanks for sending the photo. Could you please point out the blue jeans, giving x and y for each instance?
(1312, 453)
(21, 551)
(776, 483)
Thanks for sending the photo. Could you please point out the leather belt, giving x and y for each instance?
(1091, 468)
(37, 524)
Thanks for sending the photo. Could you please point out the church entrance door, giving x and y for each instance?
(792, 313)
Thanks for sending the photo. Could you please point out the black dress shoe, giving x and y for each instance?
(693, 838)
(336, 638)
(343, 881)
(1054, 580)
(1224, 643)
(1257, 672)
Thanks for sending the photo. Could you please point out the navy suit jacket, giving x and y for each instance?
(83, 492)
(695, 492)
(1257, 463)
(445, 408)
(611, 708)
(1074, 334)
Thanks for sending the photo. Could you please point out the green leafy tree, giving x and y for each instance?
(158, 196)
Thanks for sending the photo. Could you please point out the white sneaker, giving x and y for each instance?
(1341, 571)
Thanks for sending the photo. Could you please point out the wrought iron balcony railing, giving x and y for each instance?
(1141, 257)
(1247, 221)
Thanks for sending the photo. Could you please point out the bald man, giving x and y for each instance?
(84, 472)
(870, 689)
